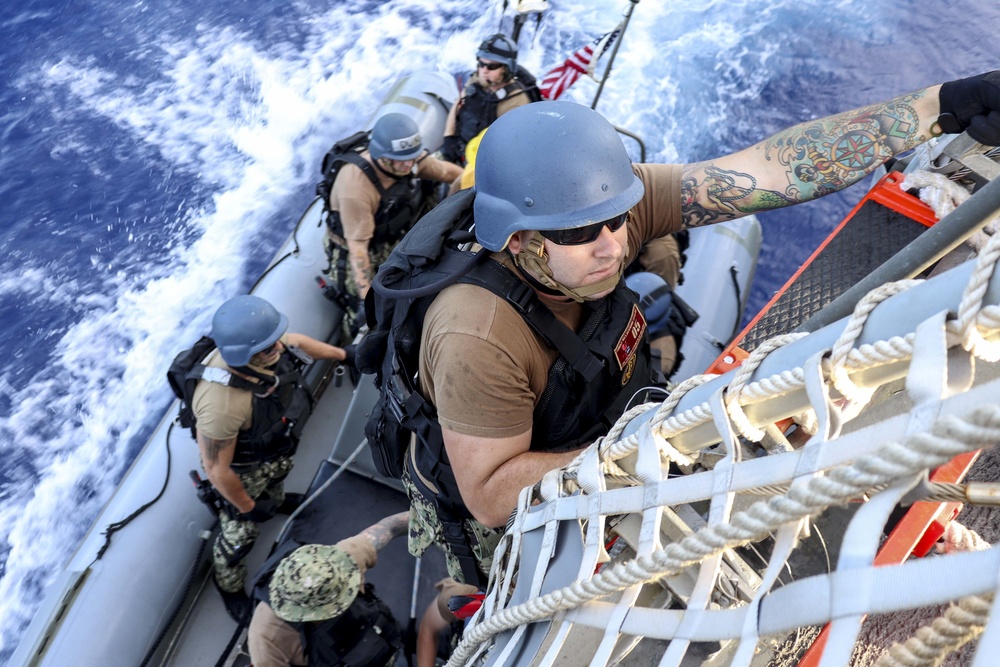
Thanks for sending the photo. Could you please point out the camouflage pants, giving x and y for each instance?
(342, 279)
(425, 530)
(236, 537)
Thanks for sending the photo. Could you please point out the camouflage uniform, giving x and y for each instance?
(425, 530)
(237, 537)
(344, 289)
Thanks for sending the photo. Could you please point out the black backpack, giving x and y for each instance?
(336, 157)
(184, 373)
(428, 259)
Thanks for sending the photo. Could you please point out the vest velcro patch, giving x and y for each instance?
(628, 343)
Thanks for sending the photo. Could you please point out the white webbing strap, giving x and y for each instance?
(926, 385)
(718, 513)
(649, 469)
(828, 427)
(988, 647)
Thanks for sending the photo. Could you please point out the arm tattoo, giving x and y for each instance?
(811, 160)
(385, 530)
(830, 154)
(361, 264)
(213, 447)
(728, 194)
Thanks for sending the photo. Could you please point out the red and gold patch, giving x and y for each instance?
(630, 339)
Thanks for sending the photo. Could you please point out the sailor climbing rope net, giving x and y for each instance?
(643, 538)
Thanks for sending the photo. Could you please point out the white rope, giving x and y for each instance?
(845, 343)
(972, 303)
(937, 191)
(944, 195)
(962, 622)
(959, 538)
(949, 437)
(743, 374)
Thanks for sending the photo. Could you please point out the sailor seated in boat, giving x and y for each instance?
(561, 206)
(375, 197)
(314, 607)
(497, 86)
(246, 425)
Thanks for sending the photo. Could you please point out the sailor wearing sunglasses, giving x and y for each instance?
(497, 86)
(561, 206)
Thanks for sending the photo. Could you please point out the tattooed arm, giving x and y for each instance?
(806, 161)
(383, 532)
(364, 546)
(361, 266)
(216, 457)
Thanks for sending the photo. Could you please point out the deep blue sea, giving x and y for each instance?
(154, 154)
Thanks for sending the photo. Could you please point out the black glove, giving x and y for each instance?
(450, 150)
(972, 104)
(350, 351)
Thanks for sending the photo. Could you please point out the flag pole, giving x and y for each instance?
(614, 52)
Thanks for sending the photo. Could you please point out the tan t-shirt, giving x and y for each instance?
(221, 411)
(357, 199)
(482, 366)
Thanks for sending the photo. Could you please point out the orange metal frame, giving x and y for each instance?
(924, 523)
(886, 192)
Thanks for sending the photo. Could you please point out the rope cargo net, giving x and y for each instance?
(648, 549)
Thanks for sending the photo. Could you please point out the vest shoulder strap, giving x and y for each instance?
(366, 167)
(501, 281)
(221, 376)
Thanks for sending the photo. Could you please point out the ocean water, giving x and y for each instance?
(154, 155)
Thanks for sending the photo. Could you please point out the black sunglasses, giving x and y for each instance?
(490, 66)
(586, 234)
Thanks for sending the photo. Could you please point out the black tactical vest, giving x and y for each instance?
(399, 204)
(479, 109)
(278, 420)
(583, 397)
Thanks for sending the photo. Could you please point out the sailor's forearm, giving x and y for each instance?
(228, 484)
(495, 498)
(383, 532)
(316, 349)
(807, 161)
(361, 266)
(821, 156)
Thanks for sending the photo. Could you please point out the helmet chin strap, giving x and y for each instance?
(535, 260)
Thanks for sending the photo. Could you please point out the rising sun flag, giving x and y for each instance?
(582, 61)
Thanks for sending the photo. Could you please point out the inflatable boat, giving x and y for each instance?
(138, 589)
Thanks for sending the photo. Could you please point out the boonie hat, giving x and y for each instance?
(315, 582)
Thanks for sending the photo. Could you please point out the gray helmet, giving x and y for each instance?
(550, 165)
(395, 136)
(499, 48)
(245, 325)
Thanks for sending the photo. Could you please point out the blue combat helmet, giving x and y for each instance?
(244, 326)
